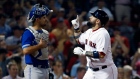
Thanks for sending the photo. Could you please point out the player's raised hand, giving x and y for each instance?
(79, 51)
(75, 23)
(42, 43)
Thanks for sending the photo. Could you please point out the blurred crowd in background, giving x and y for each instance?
(123, 27)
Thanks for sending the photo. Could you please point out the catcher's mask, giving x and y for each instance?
(38, 11)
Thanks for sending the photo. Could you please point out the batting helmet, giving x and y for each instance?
(101, 15)
(38, 11)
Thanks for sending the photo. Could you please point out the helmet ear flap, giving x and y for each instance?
(31, 19)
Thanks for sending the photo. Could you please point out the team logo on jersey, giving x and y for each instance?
(90, 43)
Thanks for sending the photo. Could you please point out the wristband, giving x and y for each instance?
(96, 54)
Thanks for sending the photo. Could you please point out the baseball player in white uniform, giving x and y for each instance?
(34, 44)
(97, 47)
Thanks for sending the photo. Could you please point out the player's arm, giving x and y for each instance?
(102, 46)
(32, 49)
(28, 48)
(93, 54)
(77, 31)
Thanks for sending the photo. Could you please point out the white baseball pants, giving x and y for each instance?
(108, 73)
(31, 72)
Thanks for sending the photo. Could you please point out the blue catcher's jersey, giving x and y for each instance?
(28, 39)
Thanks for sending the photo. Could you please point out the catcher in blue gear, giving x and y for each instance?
(34, 43)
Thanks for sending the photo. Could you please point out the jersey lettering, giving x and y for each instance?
(90, 43)
(86, 41)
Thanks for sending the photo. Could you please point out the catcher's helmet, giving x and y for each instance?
(38, 11)
(101, 15)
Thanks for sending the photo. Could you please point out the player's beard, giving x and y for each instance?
(42, 25)
(90, 24)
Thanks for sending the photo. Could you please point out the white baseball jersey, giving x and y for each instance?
(97, 40)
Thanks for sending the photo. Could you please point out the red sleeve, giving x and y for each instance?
(112, 40)
(67, 23)
(71, 62)
(54, 22)
(67, 46)
(126, 42)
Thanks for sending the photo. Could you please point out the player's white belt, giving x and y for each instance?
(98, 68)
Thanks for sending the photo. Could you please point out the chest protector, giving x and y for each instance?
(41, 54)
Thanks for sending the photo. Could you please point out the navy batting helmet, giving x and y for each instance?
(38, 11)
(101, 15)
